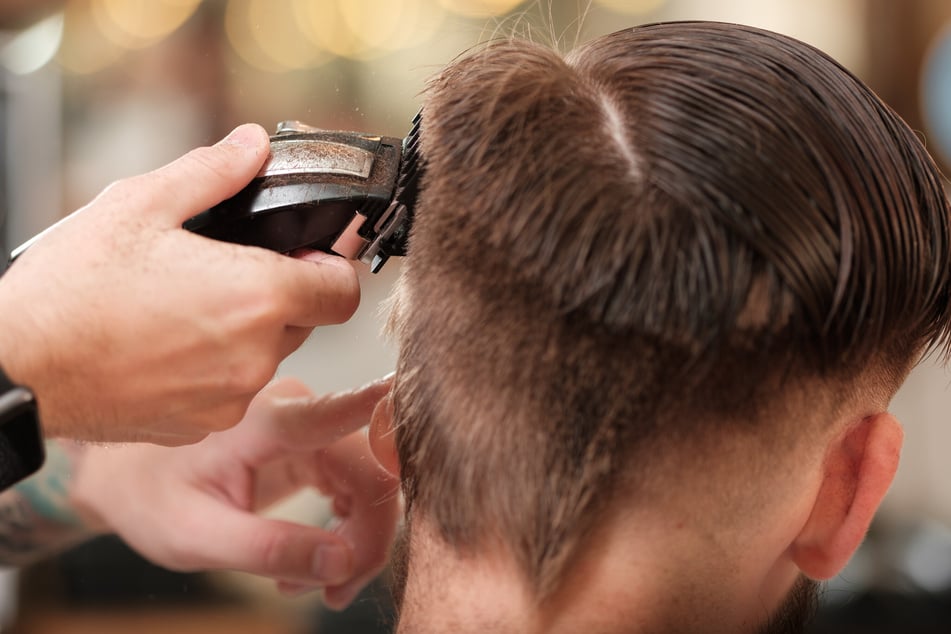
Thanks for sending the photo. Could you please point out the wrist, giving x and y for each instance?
(23, 347)
(82, 506)
(17, 351)
(21, 442)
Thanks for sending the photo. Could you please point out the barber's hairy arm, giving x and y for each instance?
(128, 327)
(195, 507)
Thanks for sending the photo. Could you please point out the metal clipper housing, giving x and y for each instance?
(341, 192)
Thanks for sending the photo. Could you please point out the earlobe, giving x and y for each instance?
(382, 437)
(859, 468)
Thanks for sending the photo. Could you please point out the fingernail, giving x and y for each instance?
(247, 135)
(386, 378)
(332, 564)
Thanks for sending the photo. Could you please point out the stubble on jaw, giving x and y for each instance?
(798, 610)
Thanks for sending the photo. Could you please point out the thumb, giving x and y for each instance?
(269, 547)
(208, 175)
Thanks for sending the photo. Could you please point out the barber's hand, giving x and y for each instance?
(193, 508)
(128, 327)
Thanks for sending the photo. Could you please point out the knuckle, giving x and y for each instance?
(334, 308)
(329, 294)
(229, 415)
(122, 194)
(272, 548)
(250, 376)
(179, 555)
(216, 419)
(253, 309)
(345, 304)
(118, 190)
(262, 307)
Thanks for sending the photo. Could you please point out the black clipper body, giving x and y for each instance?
(341, 192)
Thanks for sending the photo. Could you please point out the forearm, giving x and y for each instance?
(37, 516)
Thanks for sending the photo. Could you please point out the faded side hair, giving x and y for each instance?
(647, 240)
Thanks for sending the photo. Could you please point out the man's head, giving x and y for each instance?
(658, 296)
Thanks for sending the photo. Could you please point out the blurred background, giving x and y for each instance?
(95, 90)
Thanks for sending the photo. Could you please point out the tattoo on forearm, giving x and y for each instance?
(36, 517)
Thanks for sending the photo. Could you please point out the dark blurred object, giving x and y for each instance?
(103, 587)
(899, 582)
(18, 14)
(104, 572)
(887, 613)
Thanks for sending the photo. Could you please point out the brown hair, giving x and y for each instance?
(646, 241)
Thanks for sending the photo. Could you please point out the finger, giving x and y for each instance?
(318, 290)
(371, 512)
(207, 175)
(305, 422)
(295, 553)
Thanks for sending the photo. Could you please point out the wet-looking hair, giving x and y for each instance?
(646, 240)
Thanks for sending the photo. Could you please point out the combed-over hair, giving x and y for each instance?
(647, 240)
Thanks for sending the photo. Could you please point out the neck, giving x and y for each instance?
(635, 576)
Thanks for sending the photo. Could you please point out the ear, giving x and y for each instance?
(382, 436)
(859, 468)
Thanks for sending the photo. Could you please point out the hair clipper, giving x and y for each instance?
(347, 193)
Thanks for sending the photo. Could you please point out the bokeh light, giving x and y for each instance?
(272, 41)
(936, 93)
(270, 36)
(418, 23)
(632, 7)
(481, 8)
(32, 49)
(140, 23)
(84, 49)
(324, 24)
(364, 29)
